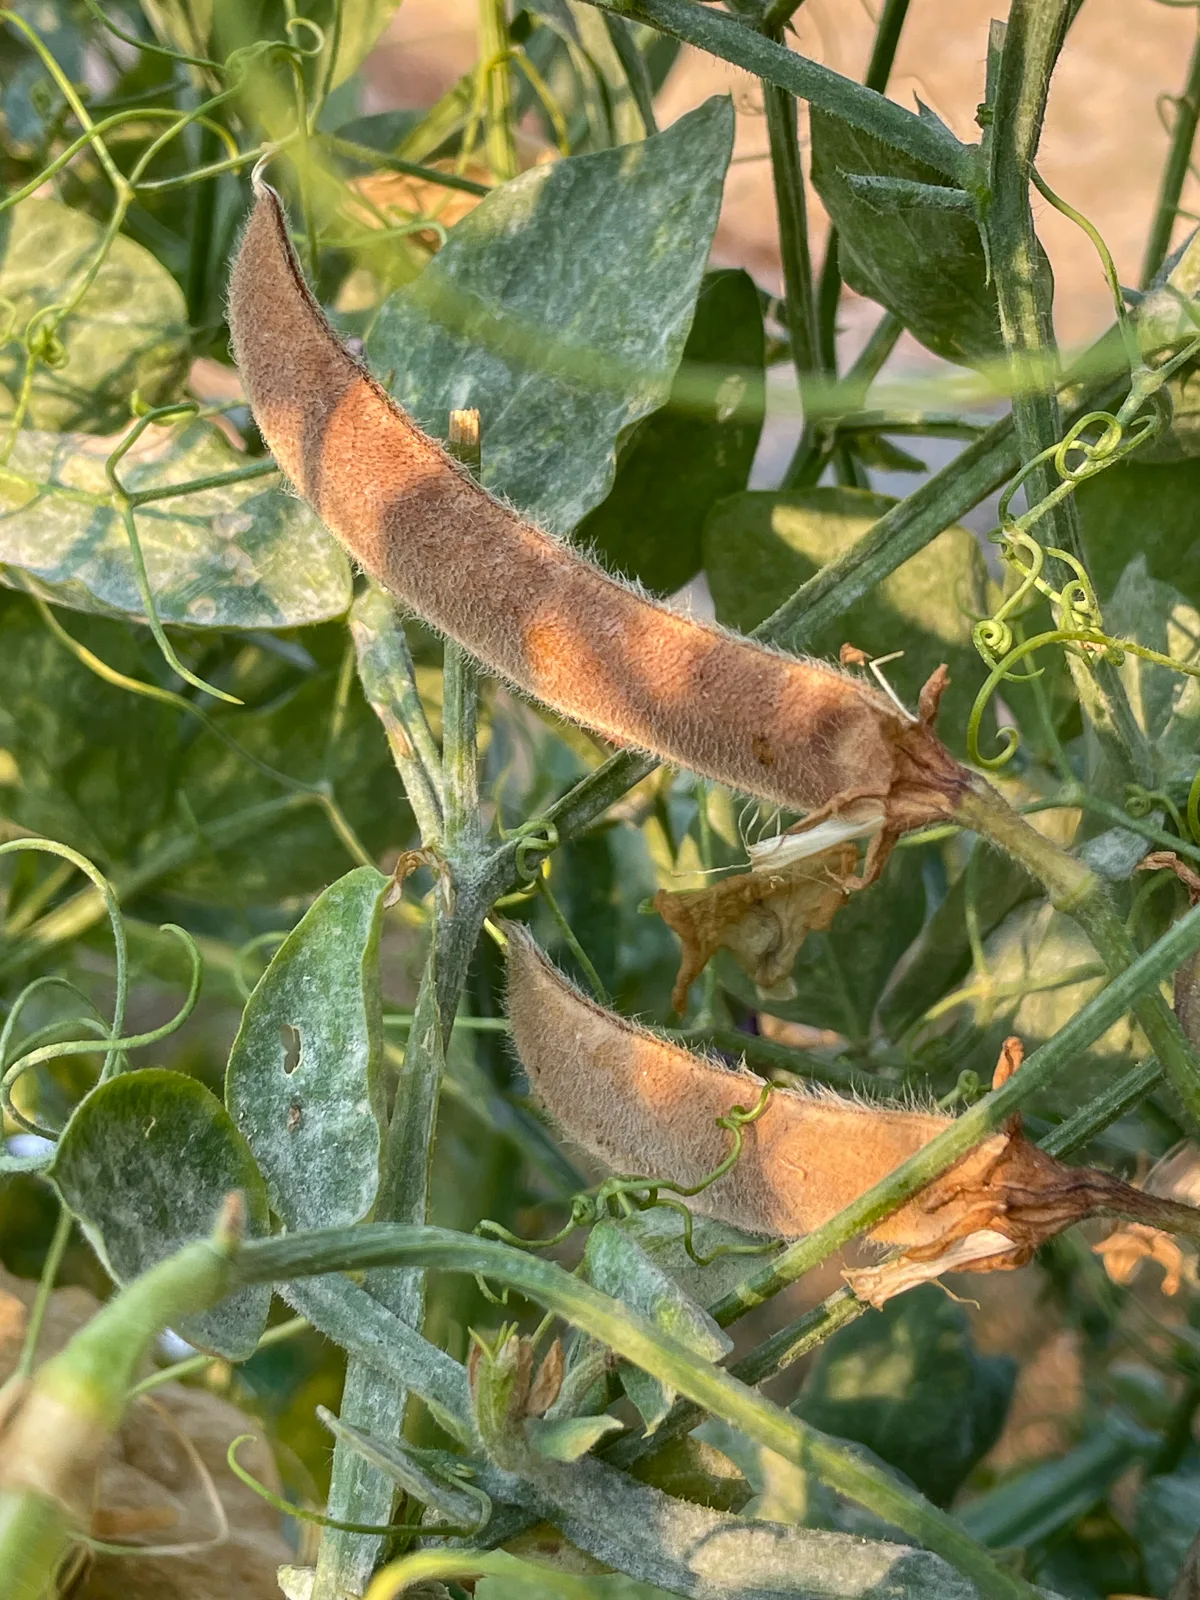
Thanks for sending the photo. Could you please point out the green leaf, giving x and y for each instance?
(1041, 969)
(924, 261)
(559, 308)
(1151, 510)
(760, 547)
(1049, 1498)
(620, 1268)
(941, 954)
(144, 1164)
(303, 1082)
(249, 555)
(1168, 1516)
(29, 98)
(840, 975)
(568, 1438)
(910, 1385)
(698, 449)
(129, 331)
(83, 762)
(1165, 703)
(225, 25)
(297, 854)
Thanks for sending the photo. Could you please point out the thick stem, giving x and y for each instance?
(373, 1400)
(787, 171)
(1183, 136)
(1075, 889)
(1025, 294)
(731, 40)
(654, 1352)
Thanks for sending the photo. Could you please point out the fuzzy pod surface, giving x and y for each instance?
(796, 732)
(640, 1104)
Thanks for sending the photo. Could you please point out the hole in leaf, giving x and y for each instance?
(290, 1040)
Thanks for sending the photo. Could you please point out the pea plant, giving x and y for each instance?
(449, 983)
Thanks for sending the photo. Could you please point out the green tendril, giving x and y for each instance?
(112, 907)
(116, 1047)
(644, 1193)
(124, 508)
(146, 46)
(1113, 650)
(316, 1518)
(241, 956)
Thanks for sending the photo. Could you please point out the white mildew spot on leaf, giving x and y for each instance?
(303, 1081)
(144, 1164)
(559, 308)
(248, 555)
(129, 331)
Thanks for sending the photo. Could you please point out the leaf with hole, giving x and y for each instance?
(559, 309)
(248, 555)
(304, 1076)
(918, 254)
(144, 1164)
(699, 448)
(129, 332)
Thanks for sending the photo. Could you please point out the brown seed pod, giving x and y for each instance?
(798, 733)
(640, 1104)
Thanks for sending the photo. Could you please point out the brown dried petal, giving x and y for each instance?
(762, 916)
(1126, 1248)
(547, 1382)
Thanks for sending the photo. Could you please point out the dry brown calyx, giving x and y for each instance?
(801, 734)
(762, 916)
(638, 1103)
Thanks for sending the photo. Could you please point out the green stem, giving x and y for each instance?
(788, 174)
(1183, 136)
(973, 1125)
(1075, 889)
(389, 682)
(494, 55)
(1024, 292)
(728, 37)
(1031, 45)
(360, 1492)
(653, 1351)
(879, 70)
(37, 1314)
(364, 156)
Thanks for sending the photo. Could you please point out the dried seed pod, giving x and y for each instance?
(795, 732)
(640, 1104)
(763, 916)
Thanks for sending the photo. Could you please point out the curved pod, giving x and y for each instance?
(796, 732)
